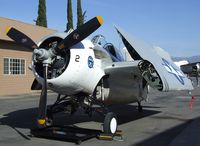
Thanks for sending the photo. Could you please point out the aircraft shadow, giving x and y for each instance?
(26, 118)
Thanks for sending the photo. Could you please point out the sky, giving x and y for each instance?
(173, 25)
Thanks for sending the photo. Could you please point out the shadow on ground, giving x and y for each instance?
(26, 118)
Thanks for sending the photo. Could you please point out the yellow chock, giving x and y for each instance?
(41, 121)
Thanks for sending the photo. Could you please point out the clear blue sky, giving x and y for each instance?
(171, 24)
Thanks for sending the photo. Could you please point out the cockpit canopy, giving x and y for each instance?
(100, 40)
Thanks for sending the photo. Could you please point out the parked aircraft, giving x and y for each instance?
(190, 69)
(91, 75)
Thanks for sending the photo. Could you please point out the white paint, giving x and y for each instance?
(78, 76)
(113, 125)
(182, 62)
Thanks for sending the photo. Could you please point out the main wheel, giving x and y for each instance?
(110, 123)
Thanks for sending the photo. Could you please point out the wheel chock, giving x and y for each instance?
(106, 136)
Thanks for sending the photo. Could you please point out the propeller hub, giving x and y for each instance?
(43, 55)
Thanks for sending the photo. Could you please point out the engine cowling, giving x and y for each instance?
(72, 72)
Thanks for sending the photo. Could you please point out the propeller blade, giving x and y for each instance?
(21, 38)
(43, 100)
(81, 33)
(36, 85)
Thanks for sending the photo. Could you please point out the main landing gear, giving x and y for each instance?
(89, 105)
(110, 123)
(73, 133)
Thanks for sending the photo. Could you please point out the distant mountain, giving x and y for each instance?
(194, 59)
(179, 58)
(189, 59)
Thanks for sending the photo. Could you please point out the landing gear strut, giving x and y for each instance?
(139, 107)
(110, 123)
(69, 105)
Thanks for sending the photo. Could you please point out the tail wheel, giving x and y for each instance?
(110, 123)
(49, 122)
(49, 118)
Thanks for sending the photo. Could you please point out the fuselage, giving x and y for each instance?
(84, 74)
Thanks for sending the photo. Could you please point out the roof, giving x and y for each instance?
(33, 31)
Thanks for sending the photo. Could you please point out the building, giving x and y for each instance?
(15, 77)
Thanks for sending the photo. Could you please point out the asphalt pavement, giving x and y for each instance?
(167, 120)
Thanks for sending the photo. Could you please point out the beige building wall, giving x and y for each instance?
(33, 31)
(14, 84)
(17, 84)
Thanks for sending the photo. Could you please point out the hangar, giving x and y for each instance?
(15, 77)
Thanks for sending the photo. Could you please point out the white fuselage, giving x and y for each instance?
(85, 74)
(78, 76)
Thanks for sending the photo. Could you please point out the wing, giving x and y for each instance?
(120, 67)
(125, 77)
(158, 70)
(124, 73)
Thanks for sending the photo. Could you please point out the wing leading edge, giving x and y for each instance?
(159, 71)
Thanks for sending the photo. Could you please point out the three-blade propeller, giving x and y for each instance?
(73, 38)
(21, 38)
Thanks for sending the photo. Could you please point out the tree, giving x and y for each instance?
(84, 16)
(42, 19)
(69, 16)
(80, 18)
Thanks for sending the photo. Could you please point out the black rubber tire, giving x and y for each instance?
(107, 121)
